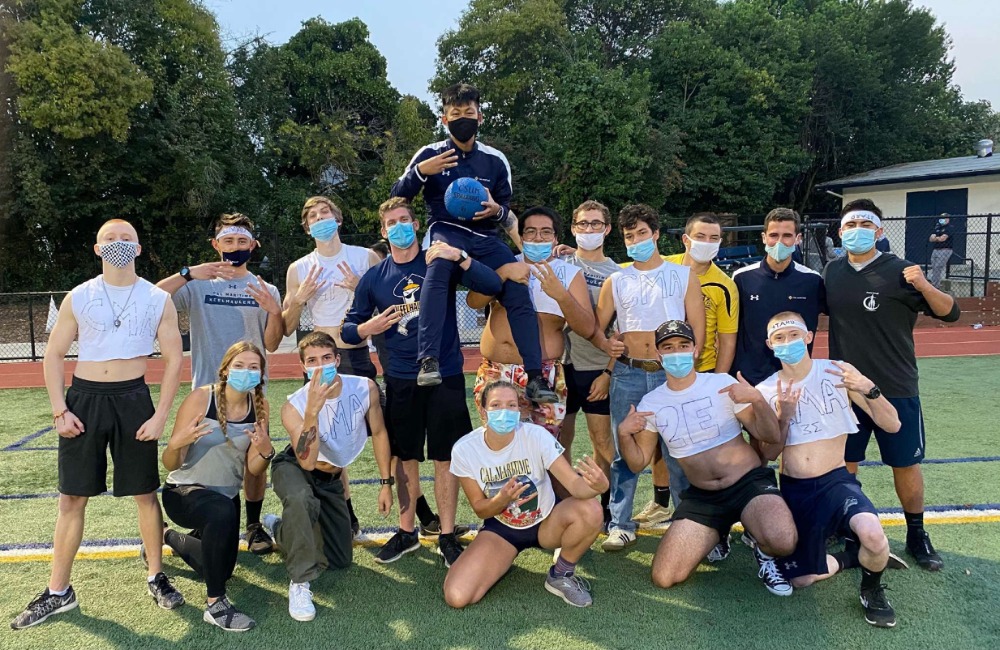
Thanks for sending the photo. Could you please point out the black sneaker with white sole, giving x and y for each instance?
(538, 391)
(258, 541)
(449, 548)
(164, 593)
(222, 614)
(430, 372)
(878, 610)
(433, 528)
(43, 606)
(920, 547)
(398, 545)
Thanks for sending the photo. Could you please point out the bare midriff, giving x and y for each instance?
(722, 466)
(497, 343)
(813, 458)
(640, 345)
(111, 370)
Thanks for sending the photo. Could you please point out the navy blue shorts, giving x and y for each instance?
(578, 388)
(519, 538)
(901, 449)
(821, 507)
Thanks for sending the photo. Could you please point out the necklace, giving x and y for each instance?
(118, 316)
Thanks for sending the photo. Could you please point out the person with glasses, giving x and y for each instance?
(559, 295)
(588, 368)
(387, 301)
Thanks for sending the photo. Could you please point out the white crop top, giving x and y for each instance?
(695, 419)
(329, 306)
(543, 302)
(342, 430)
(646, 299)
(138, 316)
(824, 411)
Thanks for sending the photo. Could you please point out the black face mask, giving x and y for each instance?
(237, 258)
(463, 129)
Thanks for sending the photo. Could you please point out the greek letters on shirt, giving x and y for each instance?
(812, 406)
(645, 288)
(341, 418)
(824, 410)
(698, 423)
(99, 316)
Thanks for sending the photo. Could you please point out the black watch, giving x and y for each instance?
(186, 273)
(463, 255)
(607, 372)
(874, 393)
(387, 481)
(270, 456)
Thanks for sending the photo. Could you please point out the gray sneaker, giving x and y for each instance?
(573, 589)
(222, 614)
(163, 592)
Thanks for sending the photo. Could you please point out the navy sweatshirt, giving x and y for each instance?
(388, 284)
(764, 293)
(484, 163)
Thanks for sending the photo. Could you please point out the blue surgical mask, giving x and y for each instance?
(243, 380)
(401, 235)
(858, 240)
(791, 352)
(678, 364)
(943, 221)
(324, 230)
(329, 372)
(779, 252)
(502, 420)
(642, 251)
(537, 251)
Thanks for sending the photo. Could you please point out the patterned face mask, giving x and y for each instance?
(119, 254)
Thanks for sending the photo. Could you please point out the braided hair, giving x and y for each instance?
(221, 407)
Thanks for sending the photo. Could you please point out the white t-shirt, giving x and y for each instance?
(695, 419)
(342, 430)
(824, 411)
(329, 306)
(528, 457)
(646, 299)
(543, 302)
(137, 308)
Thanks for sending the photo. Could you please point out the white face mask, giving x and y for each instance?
(703, 251)
(590, 241)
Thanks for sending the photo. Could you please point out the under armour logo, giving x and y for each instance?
(871, 302)
(446, 172)
(848, 503)
(791, 565)
(754, 297)
(232, 286)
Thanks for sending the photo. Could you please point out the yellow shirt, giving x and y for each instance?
(722, 309)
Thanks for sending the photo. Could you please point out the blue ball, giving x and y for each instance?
(464, 198)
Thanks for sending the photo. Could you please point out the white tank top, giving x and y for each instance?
(138, 316)
(646, 299)
(824, 411)
(342, 430)
(695, 419)
(330, 306)
(543, 302)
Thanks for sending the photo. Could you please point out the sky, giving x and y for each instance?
(406, 33)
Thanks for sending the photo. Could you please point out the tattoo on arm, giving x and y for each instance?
(302, 446)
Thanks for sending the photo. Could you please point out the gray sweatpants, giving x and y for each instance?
(315, 531)
(939, 262)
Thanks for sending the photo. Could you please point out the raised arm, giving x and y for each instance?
(585, 482)
(637, 439)
(880, 409)
(943, 305)
(760, 419)
(574, 302)
(189, 426)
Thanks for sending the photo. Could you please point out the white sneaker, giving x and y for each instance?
(618, 539)
(300, 602)
(271, 523)
(652, 514)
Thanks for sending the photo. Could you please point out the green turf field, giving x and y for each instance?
(371, 606)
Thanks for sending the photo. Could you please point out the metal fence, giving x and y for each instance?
(972, 269)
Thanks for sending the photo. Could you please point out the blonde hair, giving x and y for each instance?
(313, 201)
(233, 219)
(259, 405)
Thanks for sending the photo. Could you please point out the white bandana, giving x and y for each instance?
(864, 215)
(780, 324)
(234, 230)
(119, 254)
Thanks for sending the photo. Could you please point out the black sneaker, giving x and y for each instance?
(43, 606)
(163, 592)
(538, 391)
(355, 528)
(878, 611)
(258, 541)
(222, 614)
(398, 545)
(430, 372)
(920, 547)
(449, 548)
(433, 528)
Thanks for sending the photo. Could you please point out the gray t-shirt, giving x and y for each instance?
(579, 351)
(221, 313)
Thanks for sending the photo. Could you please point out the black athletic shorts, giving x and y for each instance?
(435, 414)
(520, 538)
(578, 388)
(720, 509)
(904, 448)
(111, 413)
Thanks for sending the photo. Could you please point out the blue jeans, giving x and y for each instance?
(628, 386)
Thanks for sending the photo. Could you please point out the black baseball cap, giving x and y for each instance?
(674, 328)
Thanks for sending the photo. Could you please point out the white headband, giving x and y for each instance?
(854, 215)
(779, 324)
(234, 230)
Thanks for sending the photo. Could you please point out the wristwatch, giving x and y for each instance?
(186, 273)
(270, 456)
(387, 481)
(607, 372)
(463, 255)
(874, 393)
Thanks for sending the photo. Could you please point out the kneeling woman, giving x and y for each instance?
(504, 470)
(219, 429)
